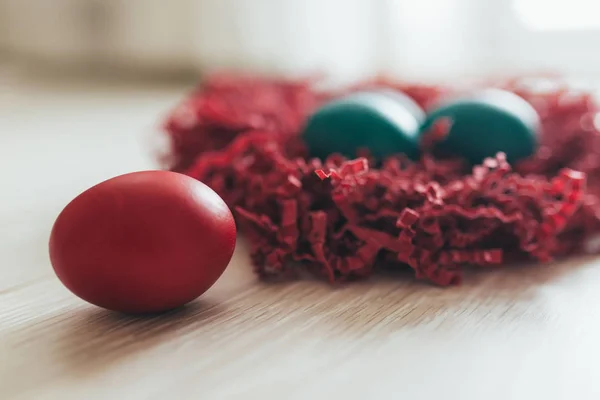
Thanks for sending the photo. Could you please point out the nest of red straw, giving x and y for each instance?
(345, 219)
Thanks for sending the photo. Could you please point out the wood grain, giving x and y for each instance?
(521, 332)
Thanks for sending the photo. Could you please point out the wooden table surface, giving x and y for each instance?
(528, 332)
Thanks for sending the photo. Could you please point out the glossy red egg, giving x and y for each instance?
(143, 242)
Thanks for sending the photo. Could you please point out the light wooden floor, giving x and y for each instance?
(516, 333)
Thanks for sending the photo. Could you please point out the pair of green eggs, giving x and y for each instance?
(387, 122)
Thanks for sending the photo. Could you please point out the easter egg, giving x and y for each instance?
(143, 242)
(486, 123)
(384, 122)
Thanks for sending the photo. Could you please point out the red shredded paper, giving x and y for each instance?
(343, 219)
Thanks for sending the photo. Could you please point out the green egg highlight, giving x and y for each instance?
(385, 122)
(486, 123)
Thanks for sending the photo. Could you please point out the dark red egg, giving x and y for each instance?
(143, 242)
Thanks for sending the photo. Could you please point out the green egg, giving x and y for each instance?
(385, 122)
(486, 123)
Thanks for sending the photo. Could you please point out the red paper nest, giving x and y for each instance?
(345, 219)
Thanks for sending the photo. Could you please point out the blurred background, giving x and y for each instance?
(84, 83)
(346, 39)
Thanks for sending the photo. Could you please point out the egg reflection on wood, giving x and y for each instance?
(486, 123)
(384, 122)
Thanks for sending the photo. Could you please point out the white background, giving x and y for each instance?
(348, 39)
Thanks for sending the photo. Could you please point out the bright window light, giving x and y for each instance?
(545, 15)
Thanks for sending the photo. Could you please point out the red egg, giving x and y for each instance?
(143, 242)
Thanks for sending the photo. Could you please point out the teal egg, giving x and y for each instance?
(385, 122)
(486, 123)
